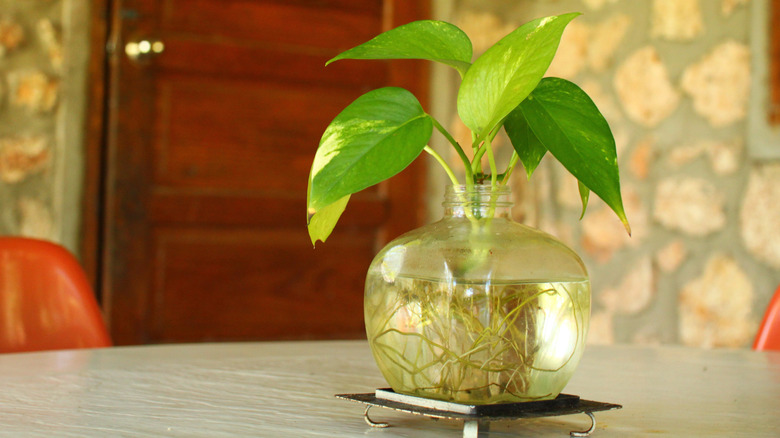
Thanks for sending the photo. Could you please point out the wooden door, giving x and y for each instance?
(208, 148)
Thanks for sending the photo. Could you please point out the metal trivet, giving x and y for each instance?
(479, 416)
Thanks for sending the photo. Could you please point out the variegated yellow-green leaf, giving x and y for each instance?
(426, 39)
(322, 224)
(507, 72)
(372, 139)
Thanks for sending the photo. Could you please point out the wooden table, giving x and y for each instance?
(286, 390)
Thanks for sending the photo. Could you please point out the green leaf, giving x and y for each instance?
(427, 39)
(569, 125)
(528, 147)
(584, 196)
(372, 139)
(507, 72)
(322, 224)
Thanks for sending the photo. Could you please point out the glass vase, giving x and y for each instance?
(477, 308)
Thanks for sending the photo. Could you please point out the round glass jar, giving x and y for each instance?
(476, 308)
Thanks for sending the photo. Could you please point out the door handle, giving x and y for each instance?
(143, 49)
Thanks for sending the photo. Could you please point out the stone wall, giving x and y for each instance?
(43, 64)
(673, 79)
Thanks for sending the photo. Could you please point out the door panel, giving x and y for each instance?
(239, 59)
(317, 292)
(250, 143)
(208, 152)
(305, 24)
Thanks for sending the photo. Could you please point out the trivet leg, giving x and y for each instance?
(472, 428)
(371, 422)
(575, 433)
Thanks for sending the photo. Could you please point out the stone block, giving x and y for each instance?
(572, 51)
(11, 35)
(483, 28)
(34, 91)
(635, 291)
(727, 7)
(603, 233)
(691, 205)
(21, 157)
(589, 45)
(715, 308)
(676, 20)
(643, 86)
(671, 256)
(760, 214)
(35, 219)
(605, 39)
(724, 156)
(719, 83)
(686, 154)
(51, 37)
(641, 159)
(598, 4)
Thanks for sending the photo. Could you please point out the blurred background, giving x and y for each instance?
(167, 144)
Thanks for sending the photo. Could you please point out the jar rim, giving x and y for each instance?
(478, 188)
(477, 194)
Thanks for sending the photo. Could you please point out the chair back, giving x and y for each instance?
(46, 301)
(768, 337)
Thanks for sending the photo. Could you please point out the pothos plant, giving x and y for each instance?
(384, 130)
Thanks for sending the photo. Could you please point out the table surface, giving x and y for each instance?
(286, 389)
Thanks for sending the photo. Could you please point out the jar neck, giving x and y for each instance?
(477, 202)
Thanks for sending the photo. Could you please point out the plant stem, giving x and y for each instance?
(492, 162)
(482, 147)
(476, 162)
(458, 149)
(443, 164)
(512, 163)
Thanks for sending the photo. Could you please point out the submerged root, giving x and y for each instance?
(476, 343)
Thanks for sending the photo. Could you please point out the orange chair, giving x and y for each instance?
(768, 337)
(46, 302)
